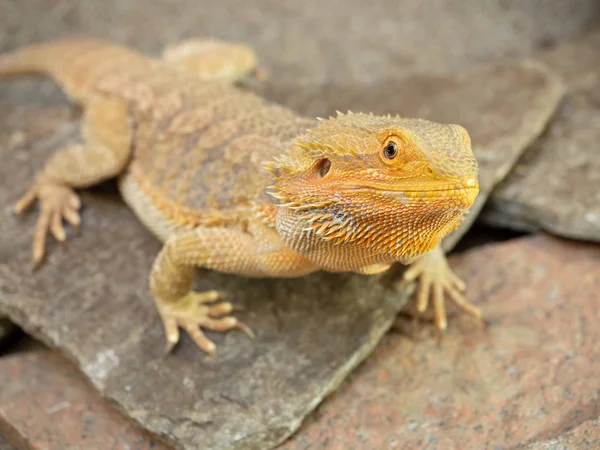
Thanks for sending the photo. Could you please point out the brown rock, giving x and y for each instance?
(46, 404)
(530, 377)
(556, 186)
(504, 108)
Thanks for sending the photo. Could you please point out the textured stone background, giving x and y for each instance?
(541, 193)
(387, 56)
(315, 41)
(4, 445)
(42, 390)
(530, 377)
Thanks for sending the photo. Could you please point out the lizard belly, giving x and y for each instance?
(146, 211)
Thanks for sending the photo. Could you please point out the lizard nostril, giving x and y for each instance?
(324, 166)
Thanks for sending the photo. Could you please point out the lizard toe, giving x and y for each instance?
(220, 309)
(26, 201)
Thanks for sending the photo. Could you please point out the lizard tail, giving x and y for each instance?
(74, 64)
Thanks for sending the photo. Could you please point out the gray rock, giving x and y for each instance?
(311, 41)
(556, 186)
(504, 108)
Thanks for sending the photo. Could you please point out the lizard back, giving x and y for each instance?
(199, 146)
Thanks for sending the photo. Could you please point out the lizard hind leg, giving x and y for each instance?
(212, 59)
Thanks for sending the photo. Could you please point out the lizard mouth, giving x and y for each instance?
(422, 189)
(468, 192)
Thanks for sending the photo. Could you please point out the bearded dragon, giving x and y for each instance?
(233, 183)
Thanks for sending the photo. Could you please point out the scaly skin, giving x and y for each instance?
(232, 183)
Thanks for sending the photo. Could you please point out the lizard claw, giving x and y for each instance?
(436, 279)
(57, 202)
(192, 313)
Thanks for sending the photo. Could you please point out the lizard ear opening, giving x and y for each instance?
(324, 167)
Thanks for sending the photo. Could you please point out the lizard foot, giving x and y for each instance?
(213, 59)
(57, 202)
(436, 279)
(192, 313)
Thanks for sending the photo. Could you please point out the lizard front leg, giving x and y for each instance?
(221, 249)
(106, 149)
(437, 279)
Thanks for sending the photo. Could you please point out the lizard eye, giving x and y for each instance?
(324, 166)
(390, 151)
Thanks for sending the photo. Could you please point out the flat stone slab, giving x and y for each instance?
(45, 403)
(504, 108)
(530, 380)
(556, 186)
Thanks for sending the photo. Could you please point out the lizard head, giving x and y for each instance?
(386, 188)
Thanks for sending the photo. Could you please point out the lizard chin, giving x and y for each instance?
(366, 227)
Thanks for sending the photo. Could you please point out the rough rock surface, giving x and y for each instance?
(556, 186)
(527, 379)
(4, 445)
(504, 108)
(313, 42)
(585, 437)
(45, 403)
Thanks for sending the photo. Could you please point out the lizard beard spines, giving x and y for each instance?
(294, 201)
(398, 243)
(299, 159)
(332, 227)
